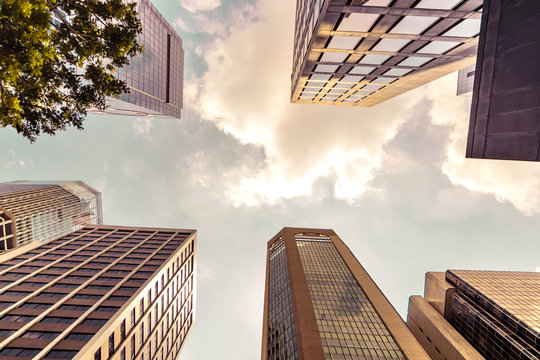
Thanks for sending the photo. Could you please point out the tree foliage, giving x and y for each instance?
(58, 59)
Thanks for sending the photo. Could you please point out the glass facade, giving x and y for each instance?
(349, 326)
(281, 334)
(339, 44)
(133, 286)
(44, 211)
(498, 312)
(155, 77)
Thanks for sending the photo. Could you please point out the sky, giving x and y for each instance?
(243, 162)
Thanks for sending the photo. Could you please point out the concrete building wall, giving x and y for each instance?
(505, 112)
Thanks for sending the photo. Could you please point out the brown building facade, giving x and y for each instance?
(102, 292)
(475, 315)
(320, 304)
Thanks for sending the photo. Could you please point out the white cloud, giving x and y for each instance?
(194, 6)
(516, 182)
(197, 166)
(143, 126)
(246, 93)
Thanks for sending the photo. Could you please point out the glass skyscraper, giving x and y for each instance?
(495, 312)
(42, 211)
(101, 292)
(155, 77)
(321, 304)
(363, 52)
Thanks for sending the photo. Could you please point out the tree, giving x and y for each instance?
(58, 59)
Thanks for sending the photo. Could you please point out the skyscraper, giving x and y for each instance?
(478, 315)
(101, 292)
(505, 112)
(363, 52)
(466, 80)
(321, 304)
(45, 210)
(156, 77)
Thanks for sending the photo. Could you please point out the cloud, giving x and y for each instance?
(143, 126)
(197, 166)
(194, 6)
(516, 182)
(245, 92)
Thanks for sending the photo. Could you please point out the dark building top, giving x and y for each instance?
(100, 292)
(505, 113)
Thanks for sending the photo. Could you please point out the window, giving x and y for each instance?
(79, 336)
(111, 345)
(108, 308)
(74, 307)
(97, 354)
(142, 333)
(40, 334)
(133, 347)
(94, 322)
(58, 354)
(132, 318)
(142, 306)
(123, 330)
(17, 318)
(123, 354)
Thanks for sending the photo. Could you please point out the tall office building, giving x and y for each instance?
(466, 80)
(45, 210)
(321, 304)
(475, 315)
(505, 112)
(156, 77)
(363, 52)
(101, 292)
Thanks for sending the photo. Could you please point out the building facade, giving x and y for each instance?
(45, 210)
(321, 304)
(101, 292)
(475, 315)
(505, 112)
(363, 52)
(466, 80)
(155, 78)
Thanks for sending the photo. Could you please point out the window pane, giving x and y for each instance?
(466, 28)
(413, 24)
(357, 22)
(362, 70)
(397, 72)
(415, 61)
(438, 47)
(437, 4)
(391, 44)
(326, 68)
(343, 42)
(374, 59)
(334, 57)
